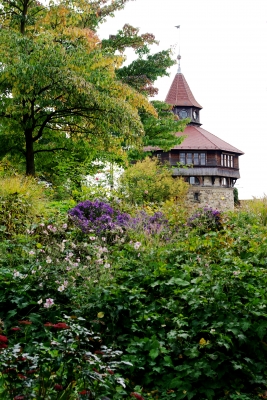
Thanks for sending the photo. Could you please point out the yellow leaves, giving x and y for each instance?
(135, 99)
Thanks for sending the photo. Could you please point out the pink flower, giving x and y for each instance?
(49, 303)
(61, 325)
(137, 396)
(137, 245)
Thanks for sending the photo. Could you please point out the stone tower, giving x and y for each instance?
(209, 164)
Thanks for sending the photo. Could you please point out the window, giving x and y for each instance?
(193, 158)
(196, 196)
(227, 160)
(182, 158)
(202, 159)
(159, 156)
(224, 182)
(193, 180)
(189, 159)
(196, 158)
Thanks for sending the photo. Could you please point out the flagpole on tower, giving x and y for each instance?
(179, 54)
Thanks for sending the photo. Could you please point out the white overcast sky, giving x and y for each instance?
(224, 60)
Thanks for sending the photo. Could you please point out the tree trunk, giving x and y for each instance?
(30, 165)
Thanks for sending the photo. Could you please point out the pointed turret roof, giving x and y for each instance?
(180, 93)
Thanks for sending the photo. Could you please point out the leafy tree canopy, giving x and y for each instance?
(56, 81)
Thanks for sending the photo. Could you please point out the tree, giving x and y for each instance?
(56, 82)
(161, 129)
(150, 181)
(141, 73)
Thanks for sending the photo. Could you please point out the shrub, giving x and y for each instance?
(97, 217)
(150, 181)
(150, 225)
(21, 201)
(205, 219)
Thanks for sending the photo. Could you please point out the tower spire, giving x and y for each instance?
(179, 54)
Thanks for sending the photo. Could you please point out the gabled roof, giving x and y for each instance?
(199, 139)
(180, 93)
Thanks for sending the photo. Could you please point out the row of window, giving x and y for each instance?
(193, 158)
(193, 180)
(200, 159)
(227, 160)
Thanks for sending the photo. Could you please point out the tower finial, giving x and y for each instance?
(179, 55)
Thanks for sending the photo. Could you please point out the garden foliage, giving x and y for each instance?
(182, 308)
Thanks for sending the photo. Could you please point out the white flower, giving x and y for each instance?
(61, 288)
(40, 301)
(33, 271)
(31, 253)
(107, 265)
(92, 237)
(137, 245)
(65, 283)
(48, 260)
(49, 303)
(16, 274)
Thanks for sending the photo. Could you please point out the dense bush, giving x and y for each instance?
(205, 219)
(21, 202)
(97, 217)
(150, 181)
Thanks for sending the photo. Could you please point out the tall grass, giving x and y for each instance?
(257, 208)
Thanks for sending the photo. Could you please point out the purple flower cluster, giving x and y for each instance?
(155, 224)
(97, 216)
(206, 218)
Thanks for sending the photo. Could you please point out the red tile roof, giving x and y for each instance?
(180, 93)
(199, 139)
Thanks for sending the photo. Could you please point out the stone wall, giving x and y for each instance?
(216, 197)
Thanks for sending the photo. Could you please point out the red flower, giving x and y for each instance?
(3, 339)
(22, 376)
(25, 322)
(58, 387)
(48, 324)
(110, 371)
(61, 325)
(31, 371)
(16, 328)
(83, 392)
(6, 371)
(19, 397)
(21, 359)
(137, 396)
(3, 346)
